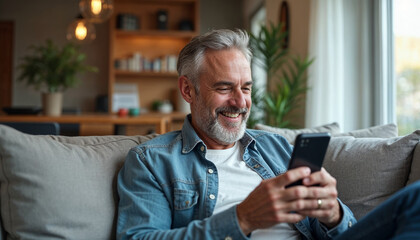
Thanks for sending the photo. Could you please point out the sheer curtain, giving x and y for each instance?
(385, 86)
(341, 79)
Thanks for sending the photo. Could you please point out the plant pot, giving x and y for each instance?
(52, 103)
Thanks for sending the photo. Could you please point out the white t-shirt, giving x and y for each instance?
(236, 182)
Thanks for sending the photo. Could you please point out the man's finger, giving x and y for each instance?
(322, 178)
(292, 176)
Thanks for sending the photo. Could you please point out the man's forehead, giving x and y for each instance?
(230, 82)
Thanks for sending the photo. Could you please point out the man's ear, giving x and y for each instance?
(186, 88)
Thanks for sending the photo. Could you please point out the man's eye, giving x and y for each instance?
(223, 89)
(247, 90)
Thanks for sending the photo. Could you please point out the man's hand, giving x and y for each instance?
(271, 203)
(326, 207)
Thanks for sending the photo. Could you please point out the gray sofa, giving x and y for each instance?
(56, 187)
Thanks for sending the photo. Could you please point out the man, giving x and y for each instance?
(214, 179)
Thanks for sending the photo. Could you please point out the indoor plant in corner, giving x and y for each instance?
(286, 78)
(52, 70)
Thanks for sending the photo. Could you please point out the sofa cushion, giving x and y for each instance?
(60, 187)
(369, 170)
(381, 131)
(290, 134)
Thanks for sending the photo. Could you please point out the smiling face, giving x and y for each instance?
(221, 108)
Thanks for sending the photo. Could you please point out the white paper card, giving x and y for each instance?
(125, 96)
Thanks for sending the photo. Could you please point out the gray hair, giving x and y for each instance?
(191, 57)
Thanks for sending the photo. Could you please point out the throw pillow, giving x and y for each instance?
(369, 170)
(381, 131)
(290, 134)
(60, 187)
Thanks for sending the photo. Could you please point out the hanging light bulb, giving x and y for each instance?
(96, 11)
(81, 31)
(96, 6)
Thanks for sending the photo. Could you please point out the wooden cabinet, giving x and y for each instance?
(93, 124)
(148, 43)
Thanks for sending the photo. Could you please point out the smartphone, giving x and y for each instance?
(309, 150)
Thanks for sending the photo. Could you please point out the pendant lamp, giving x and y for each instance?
(96, 11)
(81, 31)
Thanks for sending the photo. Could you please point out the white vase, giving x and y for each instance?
(52, 103)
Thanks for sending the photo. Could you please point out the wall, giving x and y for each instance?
(35, 21)
(299, 23)
(216, 14)
(249, 8)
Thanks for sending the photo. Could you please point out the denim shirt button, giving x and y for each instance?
(202, 148)
(211, 196)
(228, 238)
(350, 224)
(257, 166)
(210, 171)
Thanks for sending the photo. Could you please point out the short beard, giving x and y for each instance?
(211, 126)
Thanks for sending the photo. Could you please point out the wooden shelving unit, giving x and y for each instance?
(151, 43)
(143, 74)
(157, 33)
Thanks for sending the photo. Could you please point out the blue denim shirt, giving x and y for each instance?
(167, 190)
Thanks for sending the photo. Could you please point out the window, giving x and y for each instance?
(259, 74)
(406, 29)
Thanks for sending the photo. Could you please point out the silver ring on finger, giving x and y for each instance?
(319, 201)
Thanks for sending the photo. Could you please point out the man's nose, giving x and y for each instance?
(238, 99)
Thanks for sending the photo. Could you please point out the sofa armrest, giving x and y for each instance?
(415, 166)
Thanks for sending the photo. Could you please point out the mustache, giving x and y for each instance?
(232, 109)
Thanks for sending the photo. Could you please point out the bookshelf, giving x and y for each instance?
(143, 51)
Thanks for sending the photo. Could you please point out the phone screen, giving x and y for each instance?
(309, 150)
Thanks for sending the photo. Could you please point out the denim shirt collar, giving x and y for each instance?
(190, 139)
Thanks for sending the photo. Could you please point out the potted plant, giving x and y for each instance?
(285, 72)
(52, 70)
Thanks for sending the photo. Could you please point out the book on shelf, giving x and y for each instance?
(127, 21)
(139, 63)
